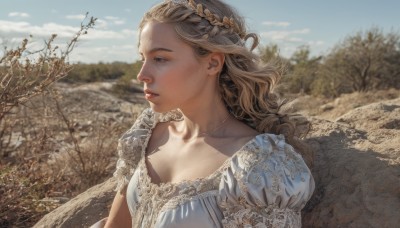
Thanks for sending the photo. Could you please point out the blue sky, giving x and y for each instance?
(290, 24)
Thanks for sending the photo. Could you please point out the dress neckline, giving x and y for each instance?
(226, 164)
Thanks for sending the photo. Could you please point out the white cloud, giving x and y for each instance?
(18, 14)
(110, 53)
(115, 20)
(24, 29)
(316, 43)
(129, 32)
(119, 22)
(76, 17)
(101, 24)
(111, 18)
(289, 40)
(7, 27)
(276, 23)
(285, 35)
(294, 39)
(17, 29)
(104, 35)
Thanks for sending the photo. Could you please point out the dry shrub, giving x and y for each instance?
(59, 154)
(23, 189)
(91, 156)
(34, 126)
(26, 73)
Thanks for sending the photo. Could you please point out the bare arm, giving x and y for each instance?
(119, 214)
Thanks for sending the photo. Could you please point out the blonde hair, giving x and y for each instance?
(245, 84)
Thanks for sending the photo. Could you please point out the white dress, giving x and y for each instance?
(264, 184)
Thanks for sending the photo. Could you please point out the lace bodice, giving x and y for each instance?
(264, 184)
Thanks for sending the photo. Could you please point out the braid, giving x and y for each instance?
(213, 19)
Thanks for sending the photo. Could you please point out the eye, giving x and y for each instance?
(159, 59)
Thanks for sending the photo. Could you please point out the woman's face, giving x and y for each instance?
(173, 76)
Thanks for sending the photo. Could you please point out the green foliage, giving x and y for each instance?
(83, 73)
(125, 85)
(269, 53)
(362, 62)
(367, 60)
(303, 70)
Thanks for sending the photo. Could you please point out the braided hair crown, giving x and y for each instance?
(213, 19)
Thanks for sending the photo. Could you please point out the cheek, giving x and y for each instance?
(182, 76)
(170, 81)
(182, 79)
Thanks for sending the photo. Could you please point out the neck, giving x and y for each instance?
(211, 122)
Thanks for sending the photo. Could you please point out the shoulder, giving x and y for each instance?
(268, 172)
(272, 154)
(132, 143)
(130, 147)
(146, 121)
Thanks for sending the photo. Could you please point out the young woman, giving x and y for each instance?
(213, 150)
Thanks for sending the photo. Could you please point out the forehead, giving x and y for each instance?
(159, 35)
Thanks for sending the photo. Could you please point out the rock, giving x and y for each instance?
(374, 116)
(356, 169)
(112, 109)
(326, 107)
(16, 139)
(83, 210)
(83, 134)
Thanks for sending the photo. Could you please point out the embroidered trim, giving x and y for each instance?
(238, 201)
(181, 199)
(261, 217)
(157, 198)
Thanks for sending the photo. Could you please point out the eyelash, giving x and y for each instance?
(156, 59)
(159, 59)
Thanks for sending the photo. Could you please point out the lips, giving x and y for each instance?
(150, 94)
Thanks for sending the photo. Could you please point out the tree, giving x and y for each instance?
(303, 69)
(362, 62)
(269, 53)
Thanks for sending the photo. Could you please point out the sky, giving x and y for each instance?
(290, 24)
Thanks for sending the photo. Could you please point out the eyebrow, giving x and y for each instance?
(159, 49)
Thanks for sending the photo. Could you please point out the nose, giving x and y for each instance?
(144, 74)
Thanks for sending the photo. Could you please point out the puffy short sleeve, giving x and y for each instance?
(267, 185)
(130, 147)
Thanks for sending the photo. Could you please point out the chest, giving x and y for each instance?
(176, 161)
(169, 204)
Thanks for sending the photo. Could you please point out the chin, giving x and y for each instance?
(159, 108)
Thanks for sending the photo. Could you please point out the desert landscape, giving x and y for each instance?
(60, 123)
(356, 139)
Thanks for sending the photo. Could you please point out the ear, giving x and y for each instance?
(215, 63)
